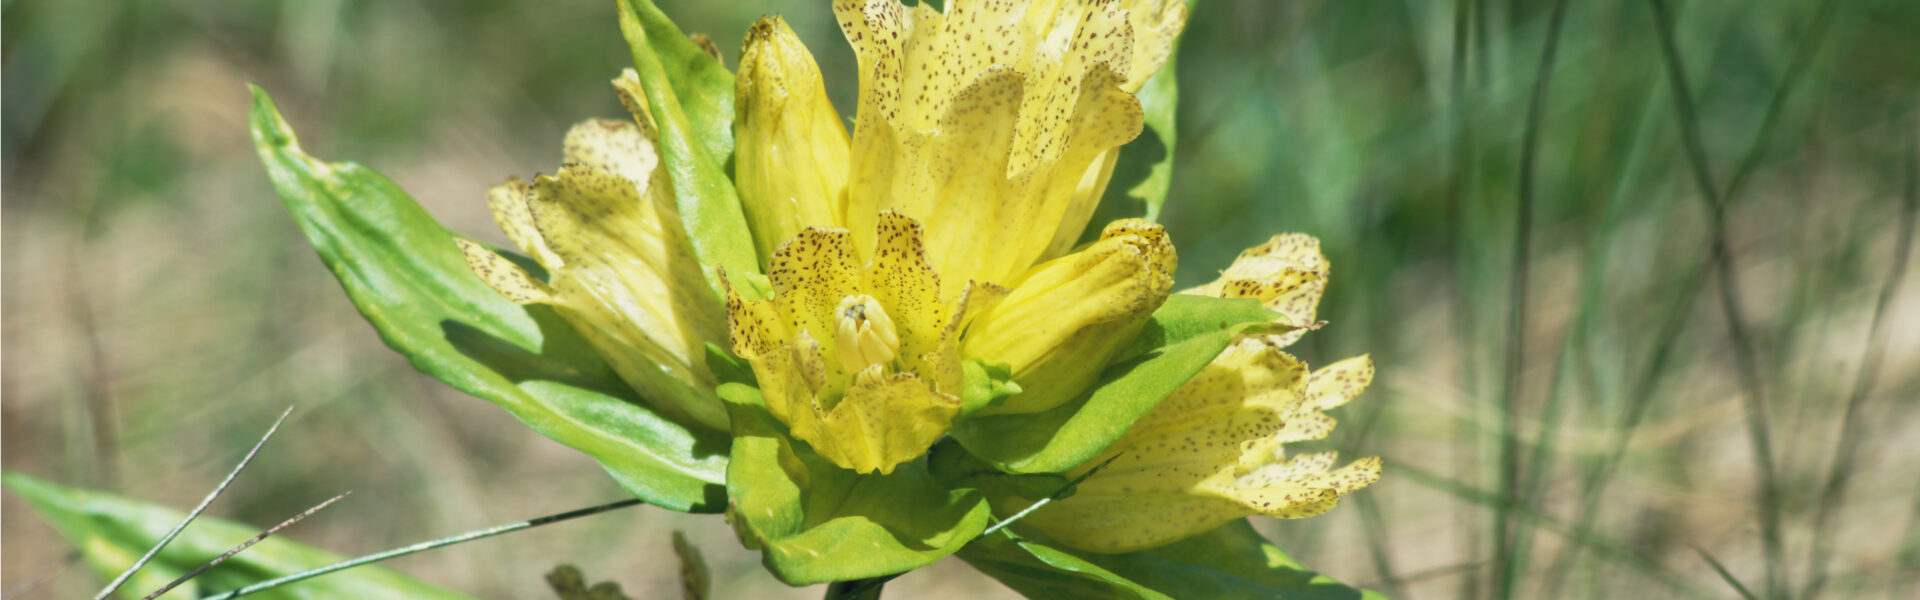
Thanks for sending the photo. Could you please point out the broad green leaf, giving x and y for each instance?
(111, 532)
(690, 96)
(404, 273)
(816, 522)
(1227, 563)
(1182, 336)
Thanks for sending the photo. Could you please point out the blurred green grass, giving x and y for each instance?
(159, 309)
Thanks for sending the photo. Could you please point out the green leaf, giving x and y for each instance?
(983, 385)
(112, 532)
(690, 96)
(817, 522)
(1179, 339)
(1160, 100)
(1227, 563)
(404, 273)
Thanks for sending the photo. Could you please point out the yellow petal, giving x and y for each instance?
(810, 274)
(625, 275)
(986, 121)
(1213, 452)
(504, 276)
(634, 98)
(1287, 275)
(1068, 317)
(790, 158)
(1086, 198)
(944, 364)
(508, 201)
(883, 421)
(900, 277)
(617, 147)
(1155, 24)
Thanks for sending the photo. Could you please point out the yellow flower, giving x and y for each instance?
(995, 122)
(1214, 451)
(859, 358)
(620, 269)
(984, 135)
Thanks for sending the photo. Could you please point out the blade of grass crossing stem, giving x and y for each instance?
(1834, 491)
(1724, 575)
(195, 513)
(1505, 564)
(424, 546)
(244, 546)
(1759, 430)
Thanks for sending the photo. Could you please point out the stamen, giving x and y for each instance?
(864, 335)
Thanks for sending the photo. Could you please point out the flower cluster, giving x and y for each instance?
(897, 330)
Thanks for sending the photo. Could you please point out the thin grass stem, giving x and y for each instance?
(195, 513)
(1726, 576)
(244, 546)
(1840, 473)
(1759, 429)
(1506, 565)
(422, 547)
(1458, 182)
(1690, 285)
(1590, 540)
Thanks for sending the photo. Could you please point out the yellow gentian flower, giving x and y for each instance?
(1214, 450)
(996, 120)
(620, 269)
(860, 359)
(983, 139)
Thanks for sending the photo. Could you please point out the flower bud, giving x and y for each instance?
(790, 149)
(1069, 317)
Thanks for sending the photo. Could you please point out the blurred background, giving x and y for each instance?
(160, 309)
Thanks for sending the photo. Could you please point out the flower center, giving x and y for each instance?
(864, 335)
